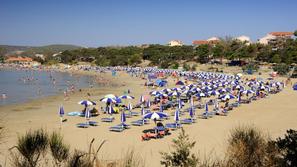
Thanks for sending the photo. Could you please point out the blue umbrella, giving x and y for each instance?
(206, 108)
(118, 100)
(228, 96)
(141, 99)
(176, 116)
(61, 111)
(123, 117)
(126, 97)
(179, 83)
(108, 100)
(87, 114)
(155, 115)
(180, 105)
(161, 108)
(86, 103)
(142, 111)
(148, 104)
(129, 107)
(110, 110)
(191, 112)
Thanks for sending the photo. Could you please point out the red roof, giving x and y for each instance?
(281, 33)
(200, 42)
(20, 59)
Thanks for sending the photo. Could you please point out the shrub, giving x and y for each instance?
(248, 147)
(288, 148)
(251, 67)
(174, 65)
(59, 150)
(281, 69)
(30, 147)
(186, 67)
(181, 156)
(194, 67)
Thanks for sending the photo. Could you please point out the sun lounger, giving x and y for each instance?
(187, 121)
(93, 123)
(119, 128)
(173, 126)
(75, 113)
(82, 125)
(139, 122)
(235, 104)
(111, 119)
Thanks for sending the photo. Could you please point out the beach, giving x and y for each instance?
(273, 115)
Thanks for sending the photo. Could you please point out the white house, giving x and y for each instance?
(274, 36)
(175, 43)
(244, 39)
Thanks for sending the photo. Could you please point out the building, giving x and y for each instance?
(275, 37)
(175, 43)
(244, 39)
(21, 60)
(210, 41)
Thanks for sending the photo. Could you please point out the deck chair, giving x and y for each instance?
(110, 119)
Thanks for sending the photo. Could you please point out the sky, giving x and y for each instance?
(93, 23)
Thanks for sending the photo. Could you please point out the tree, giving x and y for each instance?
(276, 58)
(288, 148)
(181, 156)
(202, 51)
(295, 33)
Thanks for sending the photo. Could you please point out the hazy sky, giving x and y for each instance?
(125, 22)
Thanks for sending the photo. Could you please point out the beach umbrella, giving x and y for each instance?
(110, 110)
(87, 114)
(141, 100)
(61, 111)
(142, 111)
(239, 98)
(161, 108)
(126, 97)
(206, 108)
(129, 107)
(118, 100)
(108, 100)
(148, 103)
(123, 117)
(180, 105)
(176, 89)
(295, 87)
(191, 112)
(86, 103)
(155, 93)
(228, 96)
(179, 83)
(192, 101)
(155, 115)
(110, 96)
(214, 92)
(176, 116)
(175, 93)
(166, 90)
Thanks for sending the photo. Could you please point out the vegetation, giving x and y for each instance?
(281, 69)
(181, 156)
(288, 148)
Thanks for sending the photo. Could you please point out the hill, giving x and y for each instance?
(39, 49)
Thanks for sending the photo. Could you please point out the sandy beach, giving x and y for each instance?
(273, 115)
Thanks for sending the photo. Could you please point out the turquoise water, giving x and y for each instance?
(25, 85)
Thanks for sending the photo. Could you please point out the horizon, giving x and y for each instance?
(117, 23)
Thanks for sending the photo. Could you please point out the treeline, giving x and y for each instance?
(280, 51)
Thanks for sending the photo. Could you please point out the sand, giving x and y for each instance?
(273, 115)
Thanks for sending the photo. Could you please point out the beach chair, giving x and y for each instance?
(110, 119)
(119, 128)
(140, 122)
(82, 125)
(173, 126)
(187, 121)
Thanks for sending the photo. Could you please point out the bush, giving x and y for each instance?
(186, 67)
(288, 148)
(181, 156)
(30, 147)
(59, 150)
(248, 147)
(174, 65)
(251, 67)
(281, 69)
(194, 67)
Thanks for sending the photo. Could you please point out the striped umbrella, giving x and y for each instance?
(142, 111)
(176, 116)
(87, 103)
(108, 100)
(126, 97)
(148, 103)
(61, 111)
(129, 107)
(155, 115)
(180, 105)
(123, 117)
(141, 100)
(87, 115)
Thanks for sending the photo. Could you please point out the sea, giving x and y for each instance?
(19, 86)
